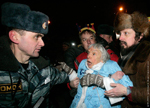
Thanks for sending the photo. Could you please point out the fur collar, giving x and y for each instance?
(141, 54)
(8, 62)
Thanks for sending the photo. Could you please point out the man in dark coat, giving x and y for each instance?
(26, 77)
(107, 33)
(131, 30)
(87, 37)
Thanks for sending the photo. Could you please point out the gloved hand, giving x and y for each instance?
(65, 67)
(91, 79)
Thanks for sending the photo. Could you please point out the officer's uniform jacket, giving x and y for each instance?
(20, 87)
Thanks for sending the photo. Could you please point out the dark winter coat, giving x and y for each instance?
(21, 87)
(138, 67)
(71, 54)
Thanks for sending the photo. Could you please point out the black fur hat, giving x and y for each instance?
(21, 17)
(105, 29)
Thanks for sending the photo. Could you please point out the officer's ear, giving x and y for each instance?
(13, 35)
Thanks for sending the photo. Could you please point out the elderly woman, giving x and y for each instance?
(98, 63)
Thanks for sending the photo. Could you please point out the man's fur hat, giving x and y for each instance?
(136, 21)
(20, 16)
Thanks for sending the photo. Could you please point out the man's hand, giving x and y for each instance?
(117, 75)
(74, 83)
(119, 90)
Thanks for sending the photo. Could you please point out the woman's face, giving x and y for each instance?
(93, 57)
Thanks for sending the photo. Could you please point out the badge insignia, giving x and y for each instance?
(44, 25)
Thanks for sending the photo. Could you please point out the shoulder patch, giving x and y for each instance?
(7, 88)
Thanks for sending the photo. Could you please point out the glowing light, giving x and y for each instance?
(121, 9)
(49, 22)
(73, 44)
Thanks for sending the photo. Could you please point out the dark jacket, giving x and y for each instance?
(71, 54)
(137, 67)
(21, 87)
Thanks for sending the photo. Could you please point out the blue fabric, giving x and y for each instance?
(95, 97)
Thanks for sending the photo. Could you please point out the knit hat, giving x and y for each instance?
(105, 29)
(136, 21)
(87, 27)
(21, 17)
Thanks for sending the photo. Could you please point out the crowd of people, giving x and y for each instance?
(110, 69)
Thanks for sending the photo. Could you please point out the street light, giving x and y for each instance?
(121, 9)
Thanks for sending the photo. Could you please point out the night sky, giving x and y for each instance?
(64, 14)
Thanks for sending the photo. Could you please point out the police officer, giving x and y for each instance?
(26, 77)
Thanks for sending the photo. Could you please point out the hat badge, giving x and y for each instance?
(44, 25)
